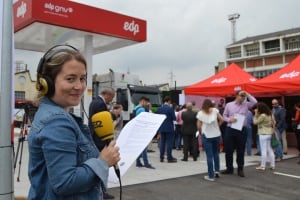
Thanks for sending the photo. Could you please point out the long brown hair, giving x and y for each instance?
(263, 108)
(206, 105)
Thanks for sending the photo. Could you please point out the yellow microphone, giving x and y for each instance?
(103, 125)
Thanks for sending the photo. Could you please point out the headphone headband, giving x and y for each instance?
(49, 55)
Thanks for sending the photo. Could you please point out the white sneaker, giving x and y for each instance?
(209, 179)
(260, 168)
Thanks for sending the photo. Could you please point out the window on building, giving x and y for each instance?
(252, 50)
(20, 95)
(263, 73)
(272, 45)
(234, 53)
(292, 43)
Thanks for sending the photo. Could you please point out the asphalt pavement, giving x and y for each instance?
(280, 184)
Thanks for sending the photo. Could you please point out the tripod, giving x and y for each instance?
(24, 128)
(21, 139)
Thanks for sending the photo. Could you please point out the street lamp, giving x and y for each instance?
(232, 18)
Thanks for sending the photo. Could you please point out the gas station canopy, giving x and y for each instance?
(44, 23)
(41, 24)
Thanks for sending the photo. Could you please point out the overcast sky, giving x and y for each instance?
(186, 38)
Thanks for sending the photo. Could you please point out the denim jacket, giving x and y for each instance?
(63, 160)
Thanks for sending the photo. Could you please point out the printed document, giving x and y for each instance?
(239, 123)
(134, 138)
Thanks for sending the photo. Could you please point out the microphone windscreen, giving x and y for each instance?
(103, 125)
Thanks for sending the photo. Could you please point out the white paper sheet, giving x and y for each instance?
(134, 138)
(239, 123)
(197, 133)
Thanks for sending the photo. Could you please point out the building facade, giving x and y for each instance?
(24, 85)
(262, 55)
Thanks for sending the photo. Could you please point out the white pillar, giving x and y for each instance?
(88, 53)
(6, 164)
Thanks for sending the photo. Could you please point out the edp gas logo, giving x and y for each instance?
(21, 10)
(292, 74)
(58, 9)
(219, 80)
(131, 27)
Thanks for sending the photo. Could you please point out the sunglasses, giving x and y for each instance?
(242, 95)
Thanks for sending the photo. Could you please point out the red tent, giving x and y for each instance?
(224, 83)
(284, 82)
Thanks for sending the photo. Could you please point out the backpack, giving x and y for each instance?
(133, 114)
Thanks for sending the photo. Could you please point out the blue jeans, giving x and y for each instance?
(144, 155)
(178, 137)
(249, 140)
(278, 150)
(211, 146)
(166, 140)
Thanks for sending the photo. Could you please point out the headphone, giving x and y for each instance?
(45, 84)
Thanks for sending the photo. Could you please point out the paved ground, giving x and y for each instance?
(283, 183)
(184, 180)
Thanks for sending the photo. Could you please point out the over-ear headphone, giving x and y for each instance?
(45, 84)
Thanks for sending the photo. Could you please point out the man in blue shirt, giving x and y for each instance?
(141, 107)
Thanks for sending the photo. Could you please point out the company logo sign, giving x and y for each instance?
(292, 74)
(219, 80)
(237, 88)
(21, 10)
(59, 10)
(131, 27)
(252, 79)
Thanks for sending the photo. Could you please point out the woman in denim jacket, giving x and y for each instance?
(64, 163)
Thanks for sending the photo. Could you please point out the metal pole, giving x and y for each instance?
(6, 164)
(88, 53)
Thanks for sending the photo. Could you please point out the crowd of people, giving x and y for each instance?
(73, 162)
(216, 125)
(188, 128)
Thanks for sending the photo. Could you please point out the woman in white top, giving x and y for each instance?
(208, 124)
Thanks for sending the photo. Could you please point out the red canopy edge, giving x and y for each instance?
(284, 82)
(224, 83)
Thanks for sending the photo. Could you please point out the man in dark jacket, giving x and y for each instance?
(166, 130)
(101, 103)
(279, 114)
(189, 128)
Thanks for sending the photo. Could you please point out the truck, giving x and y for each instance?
(129, 89)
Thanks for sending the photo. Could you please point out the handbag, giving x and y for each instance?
(274, 141)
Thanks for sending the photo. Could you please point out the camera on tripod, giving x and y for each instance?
(27, 111)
